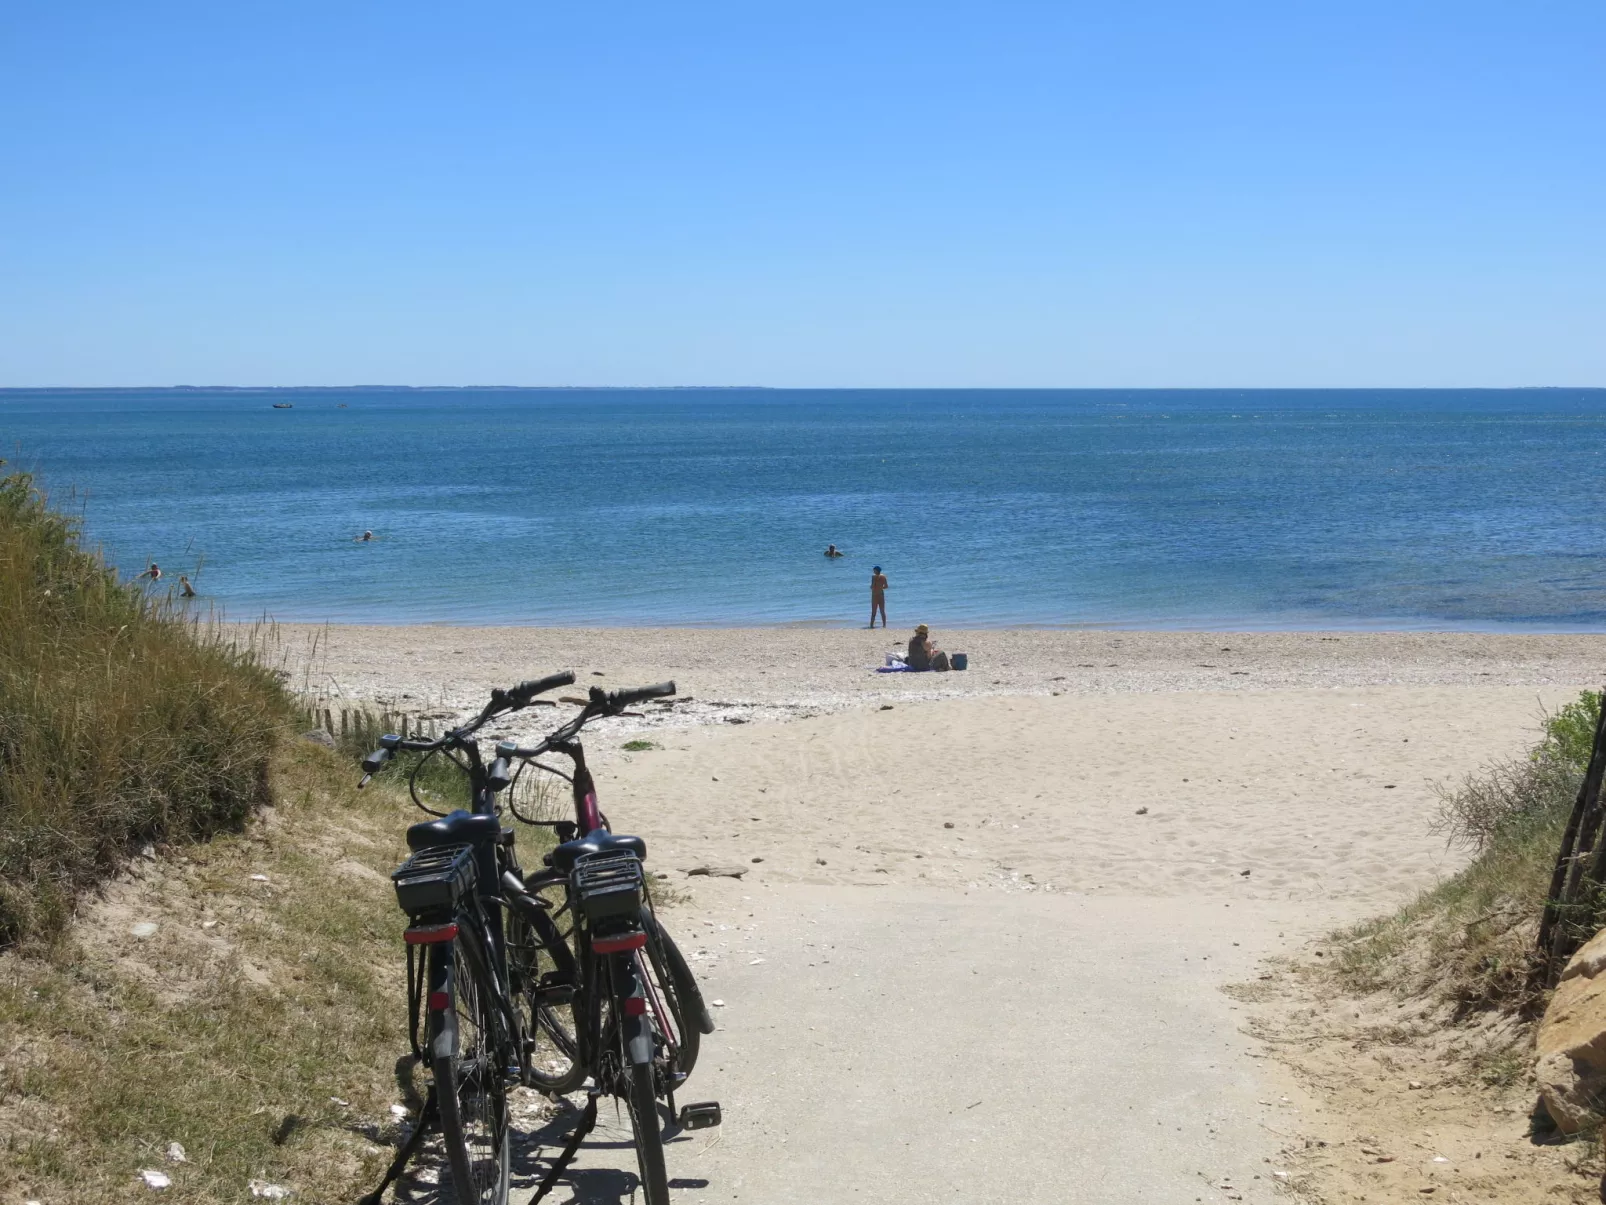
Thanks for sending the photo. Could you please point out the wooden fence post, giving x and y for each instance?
(1557, 938)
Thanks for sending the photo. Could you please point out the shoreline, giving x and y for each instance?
(745, 674)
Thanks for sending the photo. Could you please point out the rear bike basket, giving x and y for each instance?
(434, 880)
(609, 886)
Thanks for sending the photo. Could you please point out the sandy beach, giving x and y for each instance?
(1038, 874)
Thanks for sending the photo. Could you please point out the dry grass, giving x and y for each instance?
(121, 721)
(232, 1028)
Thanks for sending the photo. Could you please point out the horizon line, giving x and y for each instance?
(787, 388)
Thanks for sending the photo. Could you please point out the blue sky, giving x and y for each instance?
(871, 194)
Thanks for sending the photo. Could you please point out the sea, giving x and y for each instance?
(1270, 509)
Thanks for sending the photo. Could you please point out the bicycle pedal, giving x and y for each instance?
(703, 1115)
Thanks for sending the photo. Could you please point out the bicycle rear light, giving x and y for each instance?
(423, 935)
(433, 880)
(618, 945)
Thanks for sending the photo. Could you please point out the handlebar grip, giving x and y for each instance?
(375, 761)
(618, 700)
(525, 691)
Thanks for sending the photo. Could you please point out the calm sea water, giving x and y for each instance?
(1217, 509)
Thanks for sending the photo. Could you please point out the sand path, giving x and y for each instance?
(1025, 1007)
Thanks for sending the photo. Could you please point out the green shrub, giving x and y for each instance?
(1570, 732)
(121, 720)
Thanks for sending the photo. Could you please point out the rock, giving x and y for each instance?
(1244, 874)
(886, 707)
(319, 737)
(154, 1178)
(718, 872)
(1142, 811)
(144, 929)
(1571, 1043)
(175, 1153)
(262, 1190)
(947, 824)
(758, 860)
(1414, 1085)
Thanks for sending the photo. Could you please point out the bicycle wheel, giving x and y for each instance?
(470, 1049)
(642, 1101)
(672, 979)
(551, 1054)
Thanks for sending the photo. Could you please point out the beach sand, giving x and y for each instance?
(953, 893)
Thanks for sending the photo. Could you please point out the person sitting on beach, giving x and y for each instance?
(154, 572)
(923, 654)
(184, 588)
(830, 550)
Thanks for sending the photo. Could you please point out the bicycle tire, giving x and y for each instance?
(681, 994)
(469, 1085)
(551, 1053)
(642, 1104)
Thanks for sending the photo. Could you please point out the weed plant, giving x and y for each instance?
(123, 720)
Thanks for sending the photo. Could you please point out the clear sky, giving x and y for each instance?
(825, 193)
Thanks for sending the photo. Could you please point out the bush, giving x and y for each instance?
(121, 720)
(1507, 799)
(1570, 733)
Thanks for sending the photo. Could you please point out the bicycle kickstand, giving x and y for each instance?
(587, 1120)
(426, 1118)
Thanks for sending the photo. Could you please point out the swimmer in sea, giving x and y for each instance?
(154, 572)
(363, 539)
(830, 550)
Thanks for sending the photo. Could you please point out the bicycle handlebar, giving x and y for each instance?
(618, 700)
(601, 703)
(525, 691)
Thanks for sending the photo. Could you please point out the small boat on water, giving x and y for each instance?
(284, 405)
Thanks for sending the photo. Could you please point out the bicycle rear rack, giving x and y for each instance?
(434, 880)
(609, 887)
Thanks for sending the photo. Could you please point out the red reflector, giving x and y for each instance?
(439, 1002)
(636, 1006)
(425, 934)
(615, 945)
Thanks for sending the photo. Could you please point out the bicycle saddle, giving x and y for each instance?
(566, 855)
(454, 828)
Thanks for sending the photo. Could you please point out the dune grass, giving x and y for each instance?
(1469, 941)
(259, 1027)
(122, 721)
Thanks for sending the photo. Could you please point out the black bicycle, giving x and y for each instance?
(508, 985)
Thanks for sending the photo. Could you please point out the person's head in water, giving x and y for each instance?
(367, 535)
(877, 569)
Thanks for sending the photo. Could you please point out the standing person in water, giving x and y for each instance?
(878, 596)
(184, 588)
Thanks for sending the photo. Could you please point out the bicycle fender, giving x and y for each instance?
(638, 1040)
(444, 1043)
